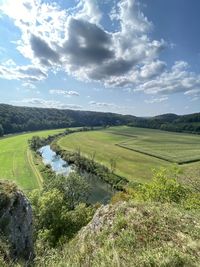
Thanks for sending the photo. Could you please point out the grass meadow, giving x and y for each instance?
(16, 160)
(136, 150)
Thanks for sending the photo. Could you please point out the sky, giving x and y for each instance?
(139, 57)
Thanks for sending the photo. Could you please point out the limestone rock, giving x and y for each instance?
(16, 221)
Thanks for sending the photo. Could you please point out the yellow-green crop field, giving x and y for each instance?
(136, 151)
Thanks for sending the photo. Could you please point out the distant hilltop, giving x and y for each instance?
(15, 119)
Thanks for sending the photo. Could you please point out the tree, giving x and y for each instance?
(76, 190)
(1, 130)
(35, 143)
(113, 165)
(54, 219)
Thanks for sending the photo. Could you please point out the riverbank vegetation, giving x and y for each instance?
(59, 209)
(91, 166)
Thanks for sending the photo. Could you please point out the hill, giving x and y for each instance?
(171, 122)
(18, 119)
(131, 234)
(15, 119)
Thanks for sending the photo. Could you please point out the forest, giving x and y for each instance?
(15, 119)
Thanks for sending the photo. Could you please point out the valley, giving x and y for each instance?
(136, 151)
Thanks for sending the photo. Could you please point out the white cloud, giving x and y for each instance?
(102, 104)
(126, 57)
(38, 102)
(178, 79)
(48, 39)
(194, 93)
(152, 69)
(63, 92)
(27, 73)
(9, 62)
(156, 100)
(89, 10)
(29, 85)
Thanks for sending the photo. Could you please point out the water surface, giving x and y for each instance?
(58, 165)
(100, 191)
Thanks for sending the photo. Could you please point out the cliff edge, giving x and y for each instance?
(16, 221)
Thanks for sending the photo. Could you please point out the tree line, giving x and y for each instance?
(18, 119)
(170, 122)
(22, 119)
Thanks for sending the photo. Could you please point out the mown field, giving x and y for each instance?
(16, 160)
(173, 147)
(128, 146)
(136, 150)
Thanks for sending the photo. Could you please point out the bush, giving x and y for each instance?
(58, 212)
(162, 189)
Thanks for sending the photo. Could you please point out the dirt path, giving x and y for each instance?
(34, 168)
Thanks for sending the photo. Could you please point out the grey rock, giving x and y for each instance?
(16, 221)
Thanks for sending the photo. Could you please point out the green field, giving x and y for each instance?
(16, 160)
(126, 145)
(136, 150)
(173, 147)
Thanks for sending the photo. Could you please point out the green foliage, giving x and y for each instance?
(83, 163)
(58, 211)
(19, 119)
(162, 189)
(132, 235)
(192, 201)
(170, 122)
(165, 188)
(7, 194)
(51, 211)
(1, 130)
(74, 188)
(36, 142)
(4, 252)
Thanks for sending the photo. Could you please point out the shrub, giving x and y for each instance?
(162, 189)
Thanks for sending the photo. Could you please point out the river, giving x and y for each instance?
(100, 191)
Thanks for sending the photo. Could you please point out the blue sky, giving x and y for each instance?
(131, 57)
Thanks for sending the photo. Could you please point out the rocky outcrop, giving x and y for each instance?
(136, 234)
(16, 221)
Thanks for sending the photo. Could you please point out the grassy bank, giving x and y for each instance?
(17, 162)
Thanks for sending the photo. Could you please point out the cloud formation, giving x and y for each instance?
(63, 92)
(75, 40)
(156, 100)
(101, 104)
(38, 102)
(178, 79)
(43, 51)
(29, 73)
